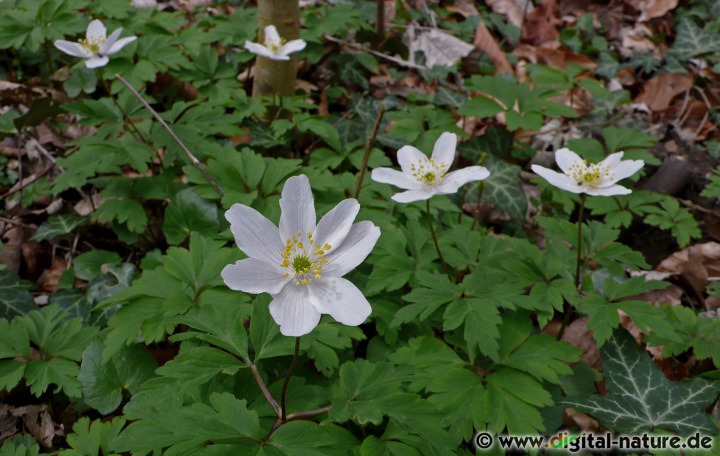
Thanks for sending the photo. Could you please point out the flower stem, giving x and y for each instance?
(368, 149)
(437, 245)
(291, 371)
(271, 400)
(578, 266)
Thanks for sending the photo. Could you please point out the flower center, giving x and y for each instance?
(93, 44)
(274, 45)
(590, 176)
(427, 172)
(303, 259)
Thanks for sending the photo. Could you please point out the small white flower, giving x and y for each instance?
(301, 264)
(594, 179)
(144, 4)
(275, 48)
(424, 177)
(96, 46)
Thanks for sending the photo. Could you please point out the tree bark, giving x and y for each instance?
(274, 77)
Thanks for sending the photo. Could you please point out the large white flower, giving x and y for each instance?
(594, 179)
(301, 264)
(424, 177)
(275, 48)
(97, 46)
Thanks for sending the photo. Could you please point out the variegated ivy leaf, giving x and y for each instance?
(641, 399)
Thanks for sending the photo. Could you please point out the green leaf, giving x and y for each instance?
(543, 357)
(692, 41)
(88, 265)
(188, 214)
(481, 320)
(15, 296)
(221, 325)
(265, 333)
(73, 302)
(226, 418)
(59, 225)
(502, 188)
(198, 365)
(91, 438)
(103, 383)
(511, 401)
(641, 399)
(324, 342)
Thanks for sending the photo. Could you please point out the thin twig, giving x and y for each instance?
(368, 149)
(27, 181)
(172, 134)
(401, 62)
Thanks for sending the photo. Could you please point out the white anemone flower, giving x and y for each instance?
(424, 177)
(301, 264)
(97, 46)
(275, 47)
(144, 4)
(593, 179)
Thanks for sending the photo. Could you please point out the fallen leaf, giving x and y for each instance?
(511, 10)
(484, 41)
(578, 334)
(659, 92)
(440, 48)
(650, 9)
(539, 26)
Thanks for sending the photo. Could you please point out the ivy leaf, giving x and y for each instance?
(103, 383)
(15, 296)
(73, 302)
(503, 188)
(641, 399)
(187, 214)
(59, 225)
(692, 41)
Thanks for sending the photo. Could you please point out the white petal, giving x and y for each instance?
(254, 276)
(271, 34)
(293, 46)
(394, 177)
(408, 156)
(456, 179)
(356, 246)
(96, 29)
(258, 49)
(444, 150)
(420, 194)
(254, 234)
(110, 41)
(298, 208)
(612, 160)
(73, 49)
(279, 57)
(609, 191)
(341, 299)
(292, 310)
(626, 168)
(565, 158)
(559, 180)
(336, 224)
(95, 62)
(119, 44)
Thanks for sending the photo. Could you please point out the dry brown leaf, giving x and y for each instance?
(508, 8)
(440, 48)
(485, 42)
(695, 264)
(49, 279)
(650, 9)
(464, 7)
(582, 420)
(659, 92)
(578, 334)
(539, 26)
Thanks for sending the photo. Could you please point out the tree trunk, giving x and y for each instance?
(273, 77)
